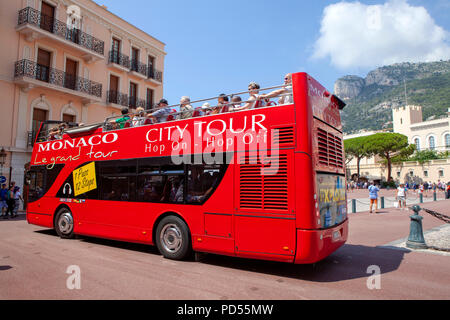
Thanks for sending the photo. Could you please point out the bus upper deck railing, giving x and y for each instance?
(196, 112)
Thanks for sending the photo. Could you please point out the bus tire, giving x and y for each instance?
(173, 238)
(64, 224)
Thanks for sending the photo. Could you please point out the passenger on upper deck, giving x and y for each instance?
(206, 108)
(286, 92)
(139, 118)
(125, 118)
(253, 100)
(185, 108)
(236, 102)
(222, 104)
(54, 134)
(162, 113)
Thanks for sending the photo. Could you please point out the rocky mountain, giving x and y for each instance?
(371, 99)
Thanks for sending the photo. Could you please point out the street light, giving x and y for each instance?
(2, 159)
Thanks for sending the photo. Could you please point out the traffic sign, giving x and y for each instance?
(2, 179)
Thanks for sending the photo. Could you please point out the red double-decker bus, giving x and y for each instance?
(264, 183)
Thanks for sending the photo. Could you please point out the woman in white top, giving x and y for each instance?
(139, 118)
(17, 199)
(401, 196)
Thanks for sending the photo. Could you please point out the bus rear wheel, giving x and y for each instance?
(64, 224)
(173, 238)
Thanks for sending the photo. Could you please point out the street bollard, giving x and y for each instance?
(434, 196)
(353, 205)
(421, 198)
(382, 202)
(416, 239)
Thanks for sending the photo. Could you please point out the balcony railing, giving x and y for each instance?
(125, 100)
(138, 67)
(135, 102)
(117, 98)
(119, 58)
(152, 73)
(60, 29)
(30, 69)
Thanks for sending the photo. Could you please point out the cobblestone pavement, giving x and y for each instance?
(438, 237)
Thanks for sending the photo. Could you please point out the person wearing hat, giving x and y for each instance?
(162, 113)
(17, 199)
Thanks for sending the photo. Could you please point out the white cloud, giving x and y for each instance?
(355, 35)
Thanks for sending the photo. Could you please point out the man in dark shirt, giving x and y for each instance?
(3, 204)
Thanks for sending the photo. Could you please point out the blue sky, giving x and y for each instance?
(218, 47)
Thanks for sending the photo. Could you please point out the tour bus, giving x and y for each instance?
(264, 183)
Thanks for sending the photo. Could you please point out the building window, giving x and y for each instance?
(441, 173)
(432, 143)
(68, 118)
(417, 143)
(447, 140)
(134, 59)
(425, 173)
(133, 95)
(398, 174)
(411, 173)
(149, 98)
(115, 51)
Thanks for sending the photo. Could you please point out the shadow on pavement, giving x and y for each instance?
(348, 262)
(107, 242)
(3, 268)
(20, 217)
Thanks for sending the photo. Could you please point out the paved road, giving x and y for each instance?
(33, 264)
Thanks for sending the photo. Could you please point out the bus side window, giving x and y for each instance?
(36, 188)
(202, 180)
(118, 180)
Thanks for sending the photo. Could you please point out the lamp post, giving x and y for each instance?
(2, 160)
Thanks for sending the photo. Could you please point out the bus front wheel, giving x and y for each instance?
(64, 224)
(173, 238)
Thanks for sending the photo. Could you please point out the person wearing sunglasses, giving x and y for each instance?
(285, 92)
(254, 100)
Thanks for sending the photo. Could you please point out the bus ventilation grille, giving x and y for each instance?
(264, 185)
(330, 149)
(283, 136)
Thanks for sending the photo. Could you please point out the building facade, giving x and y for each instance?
(432, 134)
(70, 60)
(426, 135)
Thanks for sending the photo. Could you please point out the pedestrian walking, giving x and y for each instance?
(401, 196)
(3, 204)
(373, 196)
(17, 199)
(448, 190)
(10, 202)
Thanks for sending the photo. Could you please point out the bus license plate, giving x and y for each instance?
(336, 235)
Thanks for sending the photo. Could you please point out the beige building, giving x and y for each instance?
(69, 60)
(432, 134)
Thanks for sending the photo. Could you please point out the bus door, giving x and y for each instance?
(265, 216)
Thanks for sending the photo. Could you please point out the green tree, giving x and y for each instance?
(424, 155)
(356, 148)
(388, 145)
